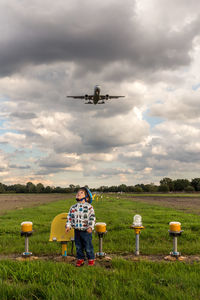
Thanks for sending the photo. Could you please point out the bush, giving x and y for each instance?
(163, 188)
(138, 189)
(189, 189)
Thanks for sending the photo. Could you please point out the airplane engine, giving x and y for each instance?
(86, 97)
(107, 97)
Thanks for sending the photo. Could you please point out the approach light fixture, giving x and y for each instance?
(101, 230)
(175, 231)
(137, 226)
(27, 231)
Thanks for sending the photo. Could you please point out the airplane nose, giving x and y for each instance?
(97, 88)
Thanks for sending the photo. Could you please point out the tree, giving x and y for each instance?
(180, 184)
(39, 188)
(196, 184)
(72, 188)
(150, 188)
(189, 189)
(30, 187)
(2, 189)
(77, 187)
(122, 188)
(141, 186)
(163, 188)
(48, 189)
(130, 189)
(138, 189)
(169, 182)
(113, 189)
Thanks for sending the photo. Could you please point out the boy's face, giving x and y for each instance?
(80, 194)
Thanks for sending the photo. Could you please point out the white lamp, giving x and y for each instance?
(137, 220)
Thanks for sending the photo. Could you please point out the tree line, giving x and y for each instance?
(166, 185)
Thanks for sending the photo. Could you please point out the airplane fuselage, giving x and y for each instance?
(96, 97)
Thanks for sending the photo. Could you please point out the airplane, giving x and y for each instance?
(96, 98)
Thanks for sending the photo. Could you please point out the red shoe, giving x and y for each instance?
(91, 262)
(80, 262)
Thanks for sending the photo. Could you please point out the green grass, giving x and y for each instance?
(120, 239)
(125, 279)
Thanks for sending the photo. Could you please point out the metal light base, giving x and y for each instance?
(26, 254)
(175, 234)
(137, 238)
(27, 235)
(101, 254)
(175, 254)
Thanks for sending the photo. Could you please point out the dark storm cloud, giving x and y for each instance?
(54, 164)
(19, 167)
(105, 173)
(76, 34)
(91, 35)
(23, 115)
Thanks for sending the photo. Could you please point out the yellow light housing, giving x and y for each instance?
(175, 226)
(26, 226)
(100, 227)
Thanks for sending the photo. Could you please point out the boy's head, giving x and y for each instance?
(84, 194)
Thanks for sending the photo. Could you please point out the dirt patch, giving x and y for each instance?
(107, 261)
(164, 258)
(19, 201)
(186, 204)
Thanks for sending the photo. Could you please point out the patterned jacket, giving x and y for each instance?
(81, 216)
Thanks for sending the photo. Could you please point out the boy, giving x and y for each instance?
(81, 217)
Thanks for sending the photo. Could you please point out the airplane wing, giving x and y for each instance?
(110, 97)
(116, 97)
(76, 97)
(86, 97)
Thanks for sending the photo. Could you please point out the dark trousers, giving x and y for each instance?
(83, 242)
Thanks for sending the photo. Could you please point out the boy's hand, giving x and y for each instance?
(67, 229)
(89, 230)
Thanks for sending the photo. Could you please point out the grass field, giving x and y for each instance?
(123, 278)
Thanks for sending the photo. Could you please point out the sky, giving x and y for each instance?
(147, 51)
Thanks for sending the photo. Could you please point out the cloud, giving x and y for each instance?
(3, 164)
(107, 173)
(181, 106)
(146, 51)
(19, 167)
(108, 35)
(22, 115)
(56, 163)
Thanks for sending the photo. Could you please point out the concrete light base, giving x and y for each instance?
(28, 258)
(65, 258)
(175, 258)
(105, 258)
